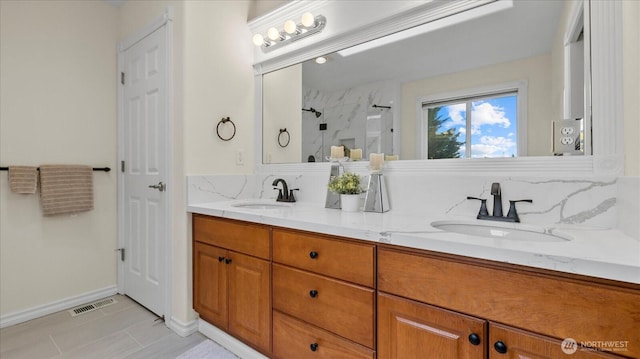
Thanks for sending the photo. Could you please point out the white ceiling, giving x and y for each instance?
(525, 30)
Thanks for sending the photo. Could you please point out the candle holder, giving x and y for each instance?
(333, 198)
(376, 199)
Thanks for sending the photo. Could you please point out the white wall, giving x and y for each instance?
(536, 70)
(281, 109)
(58, 95)
(631, 71)
(219, 82)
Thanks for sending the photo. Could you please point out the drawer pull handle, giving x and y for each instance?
(474, 339)
(313, 347)
(500, 347)
(313, 254)
(228, 260)
(313, 293)
(220, 259)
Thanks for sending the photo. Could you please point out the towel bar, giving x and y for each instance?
(103, 169)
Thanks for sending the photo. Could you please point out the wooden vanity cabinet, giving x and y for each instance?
(323, 296)
(232, 278)
(529, 311)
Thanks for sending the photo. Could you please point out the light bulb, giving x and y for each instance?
(321, 60)
(290, 27)
(308, 20)
(258, 40)
(273, 34)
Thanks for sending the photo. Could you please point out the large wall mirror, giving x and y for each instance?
(511, 83)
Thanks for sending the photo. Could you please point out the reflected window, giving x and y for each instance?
(482, 126)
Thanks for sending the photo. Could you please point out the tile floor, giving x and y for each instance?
(121, 330)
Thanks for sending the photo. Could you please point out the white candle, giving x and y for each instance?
(376, 160)
(356, 154)
(337, 152)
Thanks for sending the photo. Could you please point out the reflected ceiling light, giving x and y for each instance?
(321, 60)
(309, 25)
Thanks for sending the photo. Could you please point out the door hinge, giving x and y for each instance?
(122, 166)
(122, 78)
(121, 250)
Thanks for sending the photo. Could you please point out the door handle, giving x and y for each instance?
(160, 186)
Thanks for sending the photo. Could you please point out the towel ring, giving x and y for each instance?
(281, 142)
(223, 121)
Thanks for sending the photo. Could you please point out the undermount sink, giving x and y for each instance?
(262, 205)
(508, 231)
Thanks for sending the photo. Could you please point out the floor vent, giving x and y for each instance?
(92, 306)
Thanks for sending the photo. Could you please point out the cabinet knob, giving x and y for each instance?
(474, 339)
(220, 259)
(313, 293)
(313, 347)
(313, 254)
(500, 347)
(228, 260)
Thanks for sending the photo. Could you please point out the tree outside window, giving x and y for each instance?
(477, 127)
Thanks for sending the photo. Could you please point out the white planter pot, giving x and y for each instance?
(350, 202)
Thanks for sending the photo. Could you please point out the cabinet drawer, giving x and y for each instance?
(295, 339)
(238, 236)
(353, 262)
(555, 306)
(339, 307)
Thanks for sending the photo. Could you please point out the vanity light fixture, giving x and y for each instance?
(275, 38)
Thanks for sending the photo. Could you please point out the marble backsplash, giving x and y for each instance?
(593, 202)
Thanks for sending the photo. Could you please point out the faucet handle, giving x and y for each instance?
(280, 196)
(483, 206)
(512, 209)
(292, 198)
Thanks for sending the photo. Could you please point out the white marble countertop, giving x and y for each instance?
(602, 253)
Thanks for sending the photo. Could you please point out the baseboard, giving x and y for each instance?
(181, 328)
(53, 307)
(230, 343)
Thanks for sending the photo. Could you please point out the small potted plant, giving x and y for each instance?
(348, 187)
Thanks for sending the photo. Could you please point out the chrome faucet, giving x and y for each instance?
(285, 194)
(496, 192)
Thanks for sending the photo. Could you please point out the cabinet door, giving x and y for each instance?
(250, 300)
(511, 343)
(210, 283)
(409, 329)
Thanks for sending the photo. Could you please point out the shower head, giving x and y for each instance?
(311, 109)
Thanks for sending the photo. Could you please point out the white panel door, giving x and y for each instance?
(145, 136)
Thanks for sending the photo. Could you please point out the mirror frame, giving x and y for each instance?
(604, 18)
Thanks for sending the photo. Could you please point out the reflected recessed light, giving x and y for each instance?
(321, 60)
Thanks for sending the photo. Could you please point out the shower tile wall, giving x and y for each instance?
(345, 112)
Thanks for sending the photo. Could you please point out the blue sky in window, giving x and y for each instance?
(493, 126)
